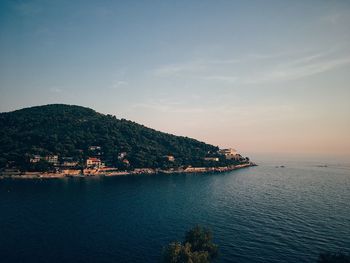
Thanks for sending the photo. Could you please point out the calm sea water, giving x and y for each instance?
(259, 214)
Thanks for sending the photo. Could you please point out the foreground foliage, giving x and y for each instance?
(198, 247)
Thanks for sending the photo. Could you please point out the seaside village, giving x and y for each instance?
(94, 165)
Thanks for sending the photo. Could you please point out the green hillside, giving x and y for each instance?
(68, 131)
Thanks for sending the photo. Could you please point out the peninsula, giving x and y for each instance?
(58, 140)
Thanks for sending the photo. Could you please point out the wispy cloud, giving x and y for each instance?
(244, 114)
(276, 67)
(336, 17)
(222, 78)
(195, 66)
(199, 66)
(119, 79)
(297, 69)
(56, 90)
(118, 84)
(175, 69)
(167, 106)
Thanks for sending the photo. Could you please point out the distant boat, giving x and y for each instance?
(281, 166)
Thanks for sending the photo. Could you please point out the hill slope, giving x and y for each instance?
(67, 130)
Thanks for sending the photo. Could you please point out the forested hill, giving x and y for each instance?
(67, 130)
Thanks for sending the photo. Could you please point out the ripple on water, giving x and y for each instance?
(260, 214)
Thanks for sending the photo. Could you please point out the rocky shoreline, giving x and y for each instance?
(106, 173)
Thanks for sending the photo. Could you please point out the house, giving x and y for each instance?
(94, 162)
(35, 159)
(213, 159)
(94, 148)
(69, 162)
(53, 159)
(230, 151)
(230, 154)
(122, 155)
(170, 158)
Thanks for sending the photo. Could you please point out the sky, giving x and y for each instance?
(259, 76)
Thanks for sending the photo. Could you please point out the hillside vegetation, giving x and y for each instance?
(67, 130)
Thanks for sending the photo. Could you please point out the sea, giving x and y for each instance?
(283, 210)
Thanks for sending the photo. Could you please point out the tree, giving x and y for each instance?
(198, 247)
(176, 252)
(42, 166)
(201, 239)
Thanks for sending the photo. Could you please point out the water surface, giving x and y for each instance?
(259, 214)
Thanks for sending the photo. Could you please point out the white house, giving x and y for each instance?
(122, 155)
(35, 159)
(170, 158)
(52, 159)
(230, 154)
(94, 148)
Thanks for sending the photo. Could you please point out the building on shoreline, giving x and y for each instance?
(94, 162)
(68, 162)
(53, 159)
(212, 159)
(230, 154)
(35, 159)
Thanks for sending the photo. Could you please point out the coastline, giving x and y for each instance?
(138, 171)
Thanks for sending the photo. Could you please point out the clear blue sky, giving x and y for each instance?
(261, 76)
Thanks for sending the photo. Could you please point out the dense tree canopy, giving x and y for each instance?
(67, 130)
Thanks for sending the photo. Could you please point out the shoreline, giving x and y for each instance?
(138, 171)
